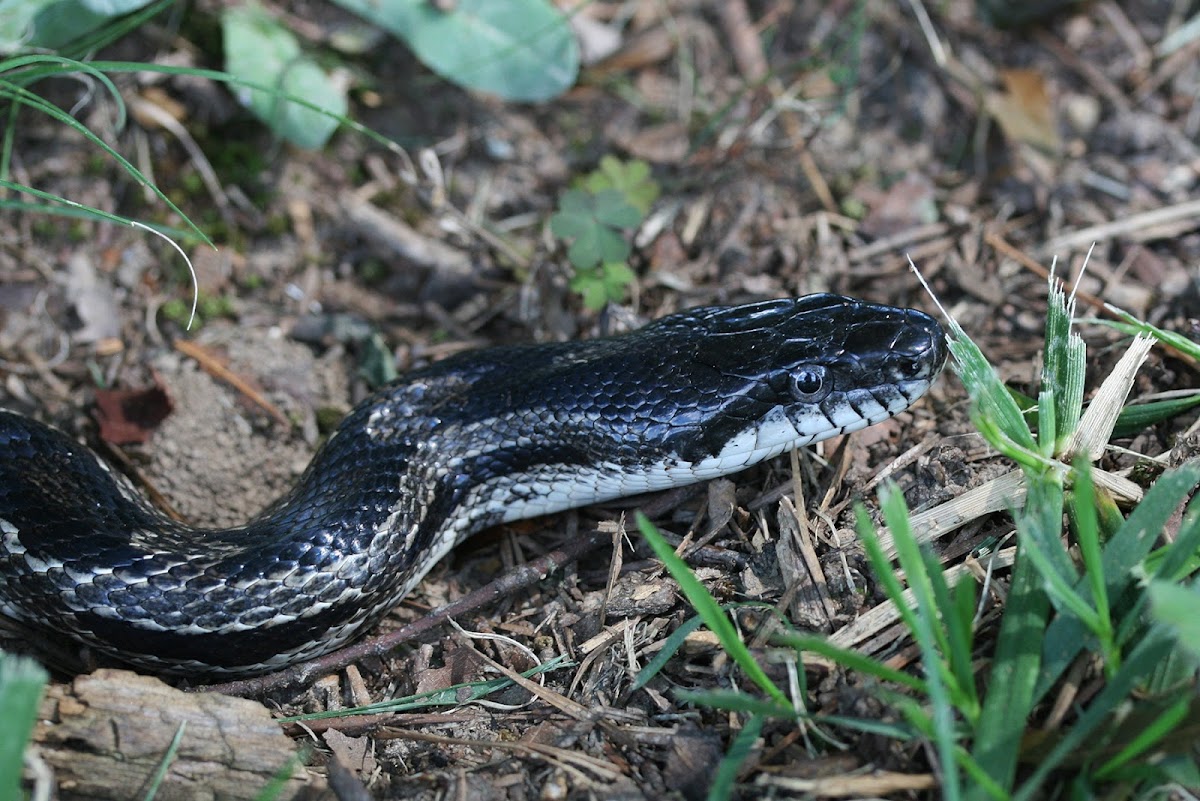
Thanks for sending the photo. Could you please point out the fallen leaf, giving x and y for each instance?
(1024, 110)
(130, 416)
(906, 204)
(354, 753)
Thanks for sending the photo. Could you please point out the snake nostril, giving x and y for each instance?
(910, 368)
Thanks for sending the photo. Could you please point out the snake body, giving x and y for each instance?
(474, 440)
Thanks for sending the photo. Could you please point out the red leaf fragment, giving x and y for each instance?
(130, 416)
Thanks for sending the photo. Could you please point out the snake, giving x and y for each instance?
(471, 441)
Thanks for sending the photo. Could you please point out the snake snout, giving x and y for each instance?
(919, 349)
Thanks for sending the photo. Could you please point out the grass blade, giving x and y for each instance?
(1173, 561)
(927, 631)
(1014, 675)
(1136, 417)
(1133, 325)
(990, 399)
(454, 695)
(1065, 637)
(1063, 370)
(957, 611)
(1087, 527)
(729, 766)
(664, 655)
(1147, 738)
(736, 701)
(21, 684)
(709, 610)
(1140, 664)
(164, 764)
(849, 659)
(1174, 607)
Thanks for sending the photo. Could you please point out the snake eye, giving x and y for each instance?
(811, 384)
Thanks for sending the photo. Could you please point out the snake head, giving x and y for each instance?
(797, 371)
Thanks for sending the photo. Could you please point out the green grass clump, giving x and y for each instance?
(1103, 593)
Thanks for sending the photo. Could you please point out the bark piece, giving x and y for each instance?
(106, 734)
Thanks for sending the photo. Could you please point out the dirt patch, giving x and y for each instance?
(218, 458)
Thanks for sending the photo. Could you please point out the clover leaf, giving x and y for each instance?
(595, 222)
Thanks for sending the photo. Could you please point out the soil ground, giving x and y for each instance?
(800, 146)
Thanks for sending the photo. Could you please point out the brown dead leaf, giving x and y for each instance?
(643, 50)
(666, 143)
(597, 41)
(906, 204)
(130, 416)
(354, 753)
(1025, 111)
(635, 594)
(693, 758)
(157, 96)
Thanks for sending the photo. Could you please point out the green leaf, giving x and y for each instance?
(17, 22)
(602, 285)
(21, 685)
(259, 48)
(520, 50)
(611, 208)
(596, 245)
(377, 363)
(630, 178)
(113, 8)
(53, 24)
(589, 220)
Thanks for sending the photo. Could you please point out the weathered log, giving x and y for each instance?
(107, 734)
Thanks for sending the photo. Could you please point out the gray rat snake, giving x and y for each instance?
(474, 440)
